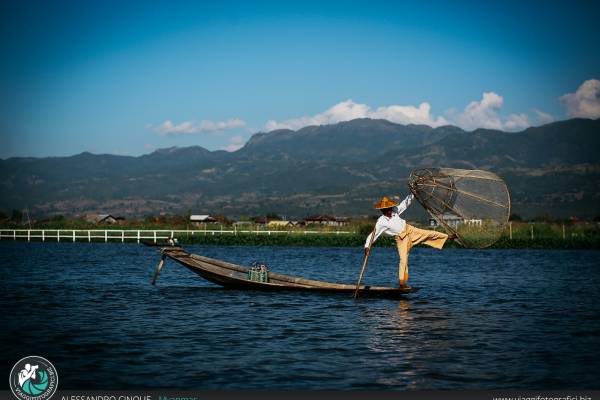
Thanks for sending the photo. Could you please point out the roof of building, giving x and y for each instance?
(200, 218)
(451, 217)
(102, 217)
(321, 218)
(278, 223)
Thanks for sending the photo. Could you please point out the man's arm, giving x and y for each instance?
(379, 229)
(405, 203)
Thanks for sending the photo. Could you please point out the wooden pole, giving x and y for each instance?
(160, 266)
(364, 264)
(531, 231)
(510, 230)
(563, 229)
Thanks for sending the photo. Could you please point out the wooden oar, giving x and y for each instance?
(364, 264)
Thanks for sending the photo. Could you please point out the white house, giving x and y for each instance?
(202, 219)
(450, 219)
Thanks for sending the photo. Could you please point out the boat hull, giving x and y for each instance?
(236, 277)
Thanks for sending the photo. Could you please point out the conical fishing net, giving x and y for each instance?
(473, 204)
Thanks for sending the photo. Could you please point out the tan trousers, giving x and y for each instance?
(411, 236)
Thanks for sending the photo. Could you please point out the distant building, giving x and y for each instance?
(103, 219)
(576, 221)
(202, 219)
(325, 220)
(279, 224)
(261, 220)
(242, 223)
(454, 221)
(450, 219)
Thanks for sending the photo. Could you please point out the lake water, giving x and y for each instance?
(483, 319)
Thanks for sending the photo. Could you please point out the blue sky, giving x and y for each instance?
(127, 79)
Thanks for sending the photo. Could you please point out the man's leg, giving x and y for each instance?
(403, 244)
(430, 238)
(403, 265)
(410, 237)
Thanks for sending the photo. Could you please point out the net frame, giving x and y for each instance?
(424, 182)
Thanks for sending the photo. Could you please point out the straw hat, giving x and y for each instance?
(385, 202)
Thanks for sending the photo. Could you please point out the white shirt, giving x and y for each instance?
(394, 225)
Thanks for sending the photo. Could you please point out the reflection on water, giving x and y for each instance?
(390, 330)
(483, 319)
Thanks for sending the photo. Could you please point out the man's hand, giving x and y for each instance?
(367, 251)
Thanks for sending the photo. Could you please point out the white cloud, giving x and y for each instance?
(516, 122)
(585, 102)
(481, 114)
(349, 110)
(168, 128)
(485, 114)
(409, 115)
(235, 143)
(542, 117)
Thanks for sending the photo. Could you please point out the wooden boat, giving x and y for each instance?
(236, 276)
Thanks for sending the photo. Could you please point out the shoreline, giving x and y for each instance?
(356, 240)
(328, 240)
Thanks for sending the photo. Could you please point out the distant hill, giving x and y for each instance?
(334, 169)
(351, 141)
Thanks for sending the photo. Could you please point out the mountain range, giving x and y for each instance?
(338, 169)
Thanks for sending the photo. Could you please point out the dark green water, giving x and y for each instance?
(483, 319)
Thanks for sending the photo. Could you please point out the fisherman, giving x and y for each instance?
(406, 235)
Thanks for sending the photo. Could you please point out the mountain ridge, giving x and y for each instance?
(331, 169)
